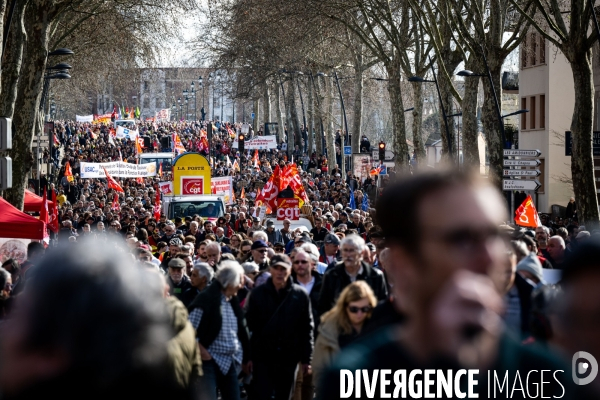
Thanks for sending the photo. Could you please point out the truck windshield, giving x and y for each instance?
(203, 208)
(166, 163)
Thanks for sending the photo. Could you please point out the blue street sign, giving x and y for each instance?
(252, 115)
(347, 150)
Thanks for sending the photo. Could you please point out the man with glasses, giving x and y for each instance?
(178, 282)
(174, 249)
(279, 247)
(259, 254)
(169, 230)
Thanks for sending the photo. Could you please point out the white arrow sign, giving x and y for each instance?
(522, 172)
(521, 163)
(522, 153)
(511, 184)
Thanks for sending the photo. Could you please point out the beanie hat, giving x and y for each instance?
(531, 264)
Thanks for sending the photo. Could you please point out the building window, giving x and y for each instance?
(524, 52)
(524, 115)
(533, 49)
(146, 102)
(542, 111)
(532, 112)
(146, 85)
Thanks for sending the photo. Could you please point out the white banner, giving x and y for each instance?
(259, 142)
(117, 168)
(164, 114)
(84, 118)
(222, 186)
(124, 133)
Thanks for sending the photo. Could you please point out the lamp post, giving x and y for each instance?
(337, 81)
(421, 80)
(212, 77)
(194, 97)
(202, 86)
(174, 112)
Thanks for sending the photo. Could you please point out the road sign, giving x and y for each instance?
(521, 163)
(252, 115)
(389, 155)
(347, 150)
(522, 153)
(514, 184)
(245, 129)
(595, 143)
(522, 172)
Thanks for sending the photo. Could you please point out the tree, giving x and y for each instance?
(567, 26)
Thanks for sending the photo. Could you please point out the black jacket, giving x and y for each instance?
(314, 295)
(525, 289)
(179, 289)
(336, 279)
(281, 323)
(209, 300)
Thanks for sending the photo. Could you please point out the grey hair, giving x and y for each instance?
(215, 245)
(355, 241)
(546, 229)
(312, 251)
(520, 249)
(205, 270)
(186, 248)
(260, 235)
(249, 267)
(229, 273)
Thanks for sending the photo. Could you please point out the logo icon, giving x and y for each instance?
(192, 186)
(584, 363)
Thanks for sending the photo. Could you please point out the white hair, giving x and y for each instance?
(260, 235)
(214, 245)
(250, 267)
(229, 274)
(205, 270)
(312, 251)
(355, 241)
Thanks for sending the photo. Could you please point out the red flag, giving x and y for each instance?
(115, 202)
(56, 140)
(68, 172)
(291, 177)
(269, 193)
(53, 224)
(157, 206)
(44, 210)
(527, 215)
(160, 170)
(112, 184)
(243, 193)
(255, 159)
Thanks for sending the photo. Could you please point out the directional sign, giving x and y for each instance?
(389, 155)
(522, 172)
(513, 184)
(521, 163)
(522, 153)
(347, 150)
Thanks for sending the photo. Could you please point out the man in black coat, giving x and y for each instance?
(350, 269)
(178, 282)
(280, 320)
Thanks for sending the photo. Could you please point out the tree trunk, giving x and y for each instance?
(417, 122)
(582, 161)
(397, 107)
(267, 103)
(448, 136)
(291, 129)
(278, 111)
(330, 134)
(310, 116)
(294, 112)
(491, 128)
(11, 64)
(469, 118)
(320, 131)
(255, 122)
(358, 105)
(28, 98)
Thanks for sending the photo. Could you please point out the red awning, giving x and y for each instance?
(18, 225)
(34, 203)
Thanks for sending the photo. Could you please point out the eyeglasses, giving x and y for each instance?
(262, 250)
(245, 251)
(300, 262)
(356, 310)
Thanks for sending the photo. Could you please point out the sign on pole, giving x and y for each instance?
(522, 172)
(252, 115)
(521, 163)
(347, 150)
(521, 153)
(389, 155)
(515, 184)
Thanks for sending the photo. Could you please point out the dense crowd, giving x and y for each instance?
(432, 278)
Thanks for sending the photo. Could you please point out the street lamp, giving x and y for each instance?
(421, 80)
(211, 76)
(203, 111)
(174, 111)
(194, 96)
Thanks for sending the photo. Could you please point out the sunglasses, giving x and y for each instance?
(300, 262)
(262, 250)
(245, 251)
(355, 310)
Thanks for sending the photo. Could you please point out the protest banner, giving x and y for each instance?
(258, 143)
(117, 168)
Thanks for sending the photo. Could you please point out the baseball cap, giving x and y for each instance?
(270, 222)
(279, 244)
(332, 239)
(176, 263)
(281, 259)
(259, 244)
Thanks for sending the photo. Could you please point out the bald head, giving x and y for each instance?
(556, 248)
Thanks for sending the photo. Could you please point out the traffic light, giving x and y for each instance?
(241, 140)
(381, 151)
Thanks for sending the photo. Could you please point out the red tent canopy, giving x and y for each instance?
(18, 225)
(34, 203)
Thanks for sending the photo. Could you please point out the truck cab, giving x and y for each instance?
(207, 206)
(125, 123)
(164, 159)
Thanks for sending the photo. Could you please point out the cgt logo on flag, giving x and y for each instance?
(526, 215)
(192, 186)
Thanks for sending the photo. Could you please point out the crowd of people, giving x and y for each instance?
(430, 277)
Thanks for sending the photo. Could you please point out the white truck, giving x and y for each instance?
(207, 206)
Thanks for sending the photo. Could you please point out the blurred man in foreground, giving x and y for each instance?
(442, 255)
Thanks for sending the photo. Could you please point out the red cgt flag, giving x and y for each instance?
(269, 193)
(291, 177)
(157, 206)
(44, 211)
(53, 224)
(115, 202)
(526, 215)
(112, 184)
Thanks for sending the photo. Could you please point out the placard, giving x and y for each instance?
(117, 168)
(258, 143)
(223, 186)
(124, 133)
(288, 209)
